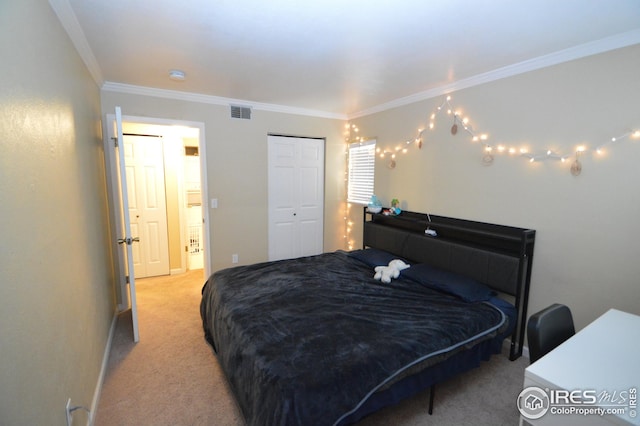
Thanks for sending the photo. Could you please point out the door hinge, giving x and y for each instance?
(115, 141)
(128, 281)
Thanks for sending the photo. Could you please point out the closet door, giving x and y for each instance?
(144, 161)
(296, 196)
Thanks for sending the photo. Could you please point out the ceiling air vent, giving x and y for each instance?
(240, 112)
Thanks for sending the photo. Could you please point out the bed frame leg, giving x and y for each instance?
(432, 391)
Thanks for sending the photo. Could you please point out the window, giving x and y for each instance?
(362, 158)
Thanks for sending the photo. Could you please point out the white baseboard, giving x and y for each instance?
(103, 371)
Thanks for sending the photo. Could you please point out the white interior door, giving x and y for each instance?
(296, 196)
(127, 240)
(144, 161)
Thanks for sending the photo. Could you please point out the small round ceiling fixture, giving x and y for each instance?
(176, 75)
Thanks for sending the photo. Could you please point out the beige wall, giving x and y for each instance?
(56, 278)
(236, 158)
(587, 226)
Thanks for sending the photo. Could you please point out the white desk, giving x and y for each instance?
(604, 356)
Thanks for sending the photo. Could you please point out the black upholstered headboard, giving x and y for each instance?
(496, 255)
(497, 270)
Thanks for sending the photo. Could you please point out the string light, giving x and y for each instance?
(402, 148)
(351, 136)
(630, 134)
(549, 155)
(489, 150)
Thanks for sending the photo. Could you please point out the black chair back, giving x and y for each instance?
(547, 329)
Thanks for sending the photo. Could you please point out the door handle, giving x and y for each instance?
(128, 240)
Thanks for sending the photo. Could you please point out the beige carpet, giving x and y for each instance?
(171, 377)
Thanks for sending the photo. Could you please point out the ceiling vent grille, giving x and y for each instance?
(240, 112)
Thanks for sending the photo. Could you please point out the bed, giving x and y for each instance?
(316, 340)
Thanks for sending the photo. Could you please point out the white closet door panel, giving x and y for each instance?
(150, 194)
(310, 195)
(153, 243)
(296, 196)
(310, 234)
(285, 234)
(147, 204)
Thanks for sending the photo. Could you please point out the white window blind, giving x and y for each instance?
(362, 157)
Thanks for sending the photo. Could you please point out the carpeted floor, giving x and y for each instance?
(171, 377)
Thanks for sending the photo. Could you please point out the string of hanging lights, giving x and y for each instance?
(463, 123)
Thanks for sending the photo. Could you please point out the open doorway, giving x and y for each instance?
(149, 202)
(183, 154)
(181, 160)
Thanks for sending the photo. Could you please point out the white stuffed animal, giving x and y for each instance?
(386, 273)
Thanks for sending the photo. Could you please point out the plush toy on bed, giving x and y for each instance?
(386, 273)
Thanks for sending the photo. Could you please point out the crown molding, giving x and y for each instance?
(70, 23)
(581, 51)
(215, 100)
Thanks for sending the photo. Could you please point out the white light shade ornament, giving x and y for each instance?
(392, 162)
(418, 139)
(487, 158)
(177, 75)
(576, 166)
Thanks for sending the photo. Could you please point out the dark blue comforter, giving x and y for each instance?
(304, 341)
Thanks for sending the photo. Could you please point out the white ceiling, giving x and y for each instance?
(339, 57)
